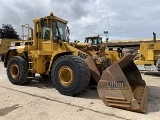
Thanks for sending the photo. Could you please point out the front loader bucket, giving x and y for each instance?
(122, 86)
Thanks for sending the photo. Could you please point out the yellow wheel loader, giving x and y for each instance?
(112, 54)
(149, 54)
(69, 68)
(95, 45)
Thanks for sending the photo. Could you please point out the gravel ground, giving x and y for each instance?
(39, 100)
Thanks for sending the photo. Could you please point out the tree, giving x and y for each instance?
(7, 31)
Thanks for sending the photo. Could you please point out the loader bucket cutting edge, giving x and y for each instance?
(122, 86)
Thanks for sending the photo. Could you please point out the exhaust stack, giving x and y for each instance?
(154, 37)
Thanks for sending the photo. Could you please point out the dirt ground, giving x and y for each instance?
(39, 100)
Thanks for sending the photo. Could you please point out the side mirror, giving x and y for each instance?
(41, 22)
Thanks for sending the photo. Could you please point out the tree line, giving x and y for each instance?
(7, 31)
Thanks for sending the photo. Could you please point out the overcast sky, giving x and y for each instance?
(124, 19)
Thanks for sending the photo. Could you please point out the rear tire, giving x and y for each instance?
(17, 71)
(158, 66)
(70, 75)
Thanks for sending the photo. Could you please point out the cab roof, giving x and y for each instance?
(93, 37)
(51, 18)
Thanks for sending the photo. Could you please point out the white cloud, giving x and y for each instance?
(123, 19)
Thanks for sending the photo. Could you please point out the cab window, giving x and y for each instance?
(46, 32)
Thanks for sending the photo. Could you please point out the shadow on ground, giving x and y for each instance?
(90, 93)
(43, 83)
(153, 99)
(6, 110)
(40, 82)
(151, 73)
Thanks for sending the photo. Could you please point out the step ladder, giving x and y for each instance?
(30, 66)
(25, 36)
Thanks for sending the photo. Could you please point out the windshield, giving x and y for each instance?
(99, 40)
(94, 41)
(60, 31)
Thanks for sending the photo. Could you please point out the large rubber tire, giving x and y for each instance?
(81, 75)
(158, 66)
(17, 71)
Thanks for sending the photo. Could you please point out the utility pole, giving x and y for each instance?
(106, 32)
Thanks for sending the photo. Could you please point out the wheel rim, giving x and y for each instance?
(14, 70)
(66, 75)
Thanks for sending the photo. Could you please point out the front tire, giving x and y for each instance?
(17, 71)
(70, 75)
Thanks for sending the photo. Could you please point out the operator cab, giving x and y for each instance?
(94, 41)
(51, 28)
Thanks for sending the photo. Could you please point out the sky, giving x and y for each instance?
(123, 19)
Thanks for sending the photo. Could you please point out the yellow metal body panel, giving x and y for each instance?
(113, 56)
(140, 62)
(50, 52)
(21, 49)
(5, 43)
(149, 53)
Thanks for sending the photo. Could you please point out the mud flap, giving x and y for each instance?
(122, 86)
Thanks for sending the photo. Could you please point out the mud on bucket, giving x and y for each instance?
(122, 86)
